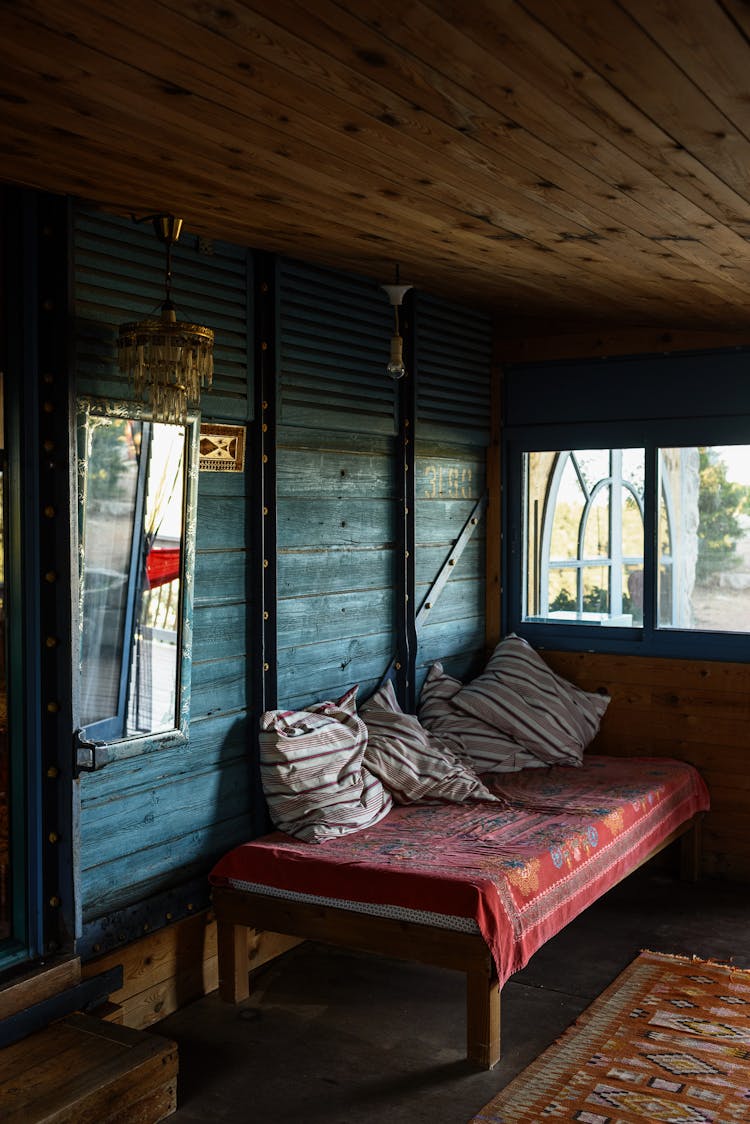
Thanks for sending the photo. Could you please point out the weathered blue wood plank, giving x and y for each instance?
(212, 743)
(218, 686)
(220, 576)
(149, 817)
(461, 597)
(332, 571)
(442, 476)
(115, 885)
(429, 558)
(291, 438)
(221, 522)
(441, 520)
(334, 522)
(309, 620)
(333, 475)
(219, 630)
(437, 642)
(221, 484)
(327, 670)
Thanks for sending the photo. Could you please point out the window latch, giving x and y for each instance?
(88, 754)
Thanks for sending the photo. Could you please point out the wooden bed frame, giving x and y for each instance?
(238, 910)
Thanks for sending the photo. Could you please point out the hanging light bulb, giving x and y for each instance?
(396, 293)
(168, 360)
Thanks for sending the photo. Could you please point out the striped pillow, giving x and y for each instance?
(311, 767)
(412, 763)
(522, 698)
(483, 746)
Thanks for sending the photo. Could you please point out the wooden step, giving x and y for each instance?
(81, 1070)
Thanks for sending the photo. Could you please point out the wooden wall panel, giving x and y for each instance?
(335, 556)
(335, 494)
(154, 822)
(119, 277)
(454, 356)
(698, 711)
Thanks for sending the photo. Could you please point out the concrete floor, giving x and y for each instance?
(333, 1036)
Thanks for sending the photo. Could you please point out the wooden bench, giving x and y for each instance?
(238, 910)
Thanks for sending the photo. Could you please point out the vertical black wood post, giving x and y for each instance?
(406, 608)
(59, 597)
(41, 576)
(262, 655)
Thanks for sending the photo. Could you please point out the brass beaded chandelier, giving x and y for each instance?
(168, 360)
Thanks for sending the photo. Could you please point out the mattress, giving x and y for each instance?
(517, 871)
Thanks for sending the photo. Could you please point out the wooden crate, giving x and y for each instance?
(170, 968)
(80, 1070)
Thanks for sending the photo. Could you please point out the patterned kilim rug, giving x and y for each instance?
(669, 1040)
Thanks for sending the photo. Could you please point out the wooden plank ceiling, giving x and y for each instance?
(565, 163)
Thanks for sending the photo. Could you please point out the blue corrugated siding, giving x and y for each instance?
(335, 510)
(454, 355)
(154, 822)
(119, 277)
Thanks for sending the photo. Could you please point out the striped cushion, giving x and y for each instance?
(483, 746)
(412, 763)
(312, 772)
(526, 701)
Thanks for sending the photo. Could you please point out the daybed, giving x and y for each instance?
(472, 886)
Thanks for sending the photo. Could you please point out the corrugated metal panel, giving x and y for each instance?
(454, 353)
(176, 810)
(335, 525)
(334, 340)
(450, 479)
(119, 273)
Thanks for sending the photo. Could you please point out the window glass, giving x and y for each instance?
(569, 510)
(596, 535)
(704, 538)
(583, 535)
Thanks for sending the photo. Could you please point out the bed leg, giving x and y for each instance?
(690, 853)
(234, 970)
(482, 1017)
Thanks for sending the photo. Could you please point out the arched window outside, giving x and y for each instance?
(585, 517)
(586, 552)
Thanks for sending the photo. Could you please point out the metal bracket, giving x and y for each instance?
(88, 756)
(446, 569)
(444, 575)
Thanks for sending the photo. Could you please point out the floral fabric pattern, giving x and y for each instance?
(522, 868)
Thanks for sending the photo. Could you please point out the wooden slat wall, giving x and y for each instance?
(335, 508)
(698, 711)
(154, 822)
(119, 277)
(454, 354)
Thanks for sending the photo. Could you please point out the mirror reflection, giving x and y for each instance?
(132, 566)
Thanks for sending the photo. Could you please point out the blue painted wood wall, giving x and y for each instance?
(154, 823)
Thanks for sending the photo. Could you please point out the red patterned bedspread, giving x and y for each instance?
(522, 868)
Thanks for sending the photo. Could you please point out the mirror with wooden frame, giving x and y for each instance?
(137, 498)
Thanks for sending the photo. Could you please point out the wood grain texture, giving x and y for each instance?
(165, 970)
(81, 1070)
(694, 710)
(578, 163)
(38, 984)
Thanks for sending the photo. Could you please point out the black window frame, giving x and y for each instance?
(696, 399)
